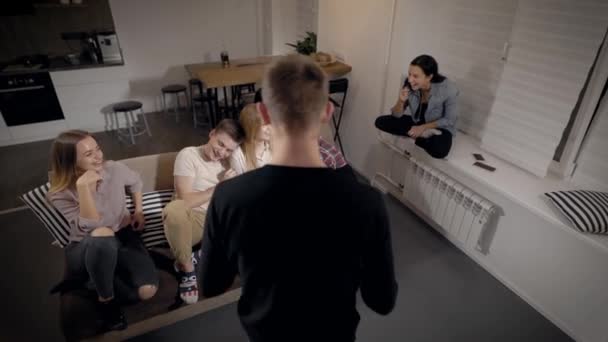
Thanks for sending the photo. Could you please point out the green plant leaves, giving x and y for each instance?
(306, 46)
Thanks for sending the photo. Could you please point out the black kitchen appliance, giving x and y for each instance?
(27, 98)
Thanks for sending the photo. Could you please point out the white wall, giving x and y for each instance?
(265, 26)
(157, 38)
(290, 21)
(358, 30)
(284, 30)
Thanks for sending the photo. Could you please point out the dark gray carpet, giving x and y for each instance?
(31, 266)
(443, 296)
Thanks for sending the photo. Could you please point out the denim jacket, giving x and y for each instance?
(443, 106)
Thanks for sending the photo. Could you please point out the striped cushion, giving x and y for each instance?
(586, 210)
(57, 225)
(52, 219)
(153, 204)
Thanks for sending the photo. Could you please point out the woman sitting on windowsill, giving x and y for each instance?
(429, 102)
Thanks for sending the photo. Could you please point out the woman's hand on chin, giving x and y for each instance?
(89, 179)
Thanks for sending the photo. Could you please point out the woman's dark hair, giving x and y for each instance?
(429, 66)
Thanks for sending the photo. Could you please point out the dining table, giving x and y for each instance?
(239, 72)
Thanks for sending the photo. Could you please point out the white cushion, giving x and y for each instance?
(586, 210)
(57, 225)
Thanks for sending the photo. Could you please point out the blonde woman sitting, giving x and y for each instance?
(105, 248)
(255, 151)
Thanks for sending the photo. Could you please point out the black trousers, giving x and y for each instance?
(120, 262)
(437, 146)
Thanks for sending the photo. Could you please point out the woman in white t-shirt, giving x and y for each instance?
(255, 151)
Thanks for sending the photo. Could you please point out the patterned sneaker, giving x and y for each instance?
(188, 284)
(196, 256)
(188, 287)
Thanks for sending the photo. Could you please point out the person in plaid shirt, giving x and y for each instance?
(330, 154)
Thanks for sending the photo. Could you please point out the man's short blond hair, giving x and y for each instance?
(295, 91)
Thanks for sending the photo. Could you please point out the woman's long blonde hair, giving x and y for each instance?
(64, 171)
(251, 122)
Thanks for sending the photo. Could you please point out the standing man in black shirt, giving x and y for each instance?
(302, 237)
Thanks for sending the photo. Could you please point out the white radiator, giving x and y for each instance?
(458, 210)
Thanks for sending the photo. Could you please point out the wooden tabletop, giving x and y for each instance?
(247, 70)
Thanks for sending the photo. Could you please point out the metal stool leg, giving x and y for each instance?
(212, 106)
(194, 113)
(130, 127)
(188, 100)
(114, 118)
(337, 124)
(143, 116)
(176, 107)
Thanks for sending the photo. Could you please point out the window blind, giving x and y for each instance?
(472, 47)
(552, 47)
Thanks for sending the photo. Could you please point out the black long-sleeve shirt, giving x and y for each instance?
(303, 241)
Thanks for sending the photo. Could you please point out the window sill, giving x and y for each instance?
(509, 180)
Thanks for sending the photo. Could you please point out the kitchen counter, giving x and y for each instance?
(56, 65)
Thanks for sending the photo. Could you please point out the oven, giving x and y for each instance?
(27, 98)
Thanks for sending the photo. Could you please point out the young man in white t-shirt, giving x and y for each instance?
(196, 172)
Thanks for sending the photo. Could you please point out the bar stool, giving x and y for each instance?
(241, 94)
(174, 89)
(133, 129)
(338, 86)
(198, 99)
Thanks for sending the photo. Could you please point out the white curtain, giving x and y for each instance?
(552, 47)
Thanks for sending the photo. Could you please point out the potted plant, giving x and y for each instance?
(306, 46)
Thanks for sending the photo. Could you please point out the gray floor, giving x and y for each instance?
(167, 136)
(31, 266)
(443, 296)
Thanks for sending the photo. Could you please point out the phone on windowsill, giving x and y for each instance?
(485, 166)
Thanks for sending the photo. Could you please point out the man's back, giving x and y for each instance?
(303, 241)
